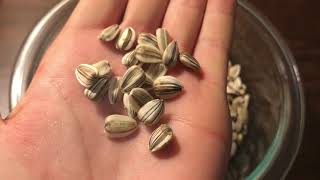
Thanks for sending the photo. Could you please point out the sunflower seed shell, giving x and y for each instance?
(134, 77)
(126, 39)
(86, 75)
(118, 126)
(166, 87)
(148, 54)
(114, 92)
(97, 90)
(171, 54)
(160, 138)
(104, 69)
(147, 39)
(153, 71)
(109, 33)
(162, 38)
(150, 114)
(189, 61)
(129, 59)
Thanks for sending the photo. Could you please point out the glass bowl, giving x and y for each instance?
(276, 110)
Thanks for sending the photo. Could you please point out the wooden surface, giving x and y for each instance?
(297, 20)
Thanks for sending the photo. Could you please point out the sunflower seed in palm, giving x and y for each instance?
(126, 39)
(147, 39)
(114, 92)
(86, 74)
(166, 87)
(131, 108)
(140, 96)
(153, 71)
(104, 68)
(118, 126)
(148, 84)
(148, 54)
(150, 113)
(97, 90)
(133, 77)
(171, 54)
(109, 33)
(160, 138)
(162, 38)
(189, 61)
(129, 59)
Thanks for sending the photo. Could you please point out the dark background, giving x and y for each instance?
(297, 20)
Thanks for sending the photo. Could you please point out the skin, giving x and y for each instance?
(57, 133)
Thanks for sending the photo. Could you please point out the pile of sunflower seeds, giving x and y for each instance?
(143, 87)
(238, 101)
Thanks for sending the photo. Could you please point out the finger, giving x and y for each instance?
(214, 39)
(98, 13)
(183, 21)
(145, 15)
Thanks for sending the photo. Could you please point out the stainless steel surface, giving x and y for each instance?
(17, 18)
(33, 45)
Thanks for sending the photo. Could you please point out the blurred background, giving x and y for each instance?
(297, 21)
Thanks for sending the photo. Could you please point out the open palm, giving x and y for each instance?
(57, 133)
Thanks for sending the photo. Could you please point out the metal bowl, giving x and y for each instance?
(276, 109)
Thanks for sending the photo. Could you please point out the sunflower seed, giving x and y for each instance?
(147, 39)
(171, 54)
(114, 92)
(153, 71)
(148, 84)
(97, 90)
(134, 77)
(234, 72)
(148, 54)
(189, 61)
(109, 33)
(4, 116)
(86, 74)
(160, 138)
(140, 96)
(131, 108)
(129, 59)
(166, 87)
(104, 68)
(118, 126)
(150, 113)
(162, 38)
(126, 39)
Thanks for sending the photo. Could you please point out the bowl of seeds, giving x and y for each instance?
(264, 91)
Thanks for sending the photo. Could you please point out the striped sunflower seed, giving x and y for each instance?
(166, 87)
(104, 68)
(171, 54)
(134, 77)
(148, 54)
(131, 108)
(153, 71)
(118, 126)
(162, 38)
(126, 39)
(97, 90)
(150, 113)
(129, 59)
(148, 39)
(148, 84)
(189, 61)
(109, 33)
(160, 138)
(140, 96)
(86, 75)
(114, 92)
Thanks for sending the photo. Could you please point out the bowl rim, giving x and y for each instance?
(32, 44)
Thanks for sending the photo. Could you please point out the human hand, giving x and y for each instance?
(57, 133)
